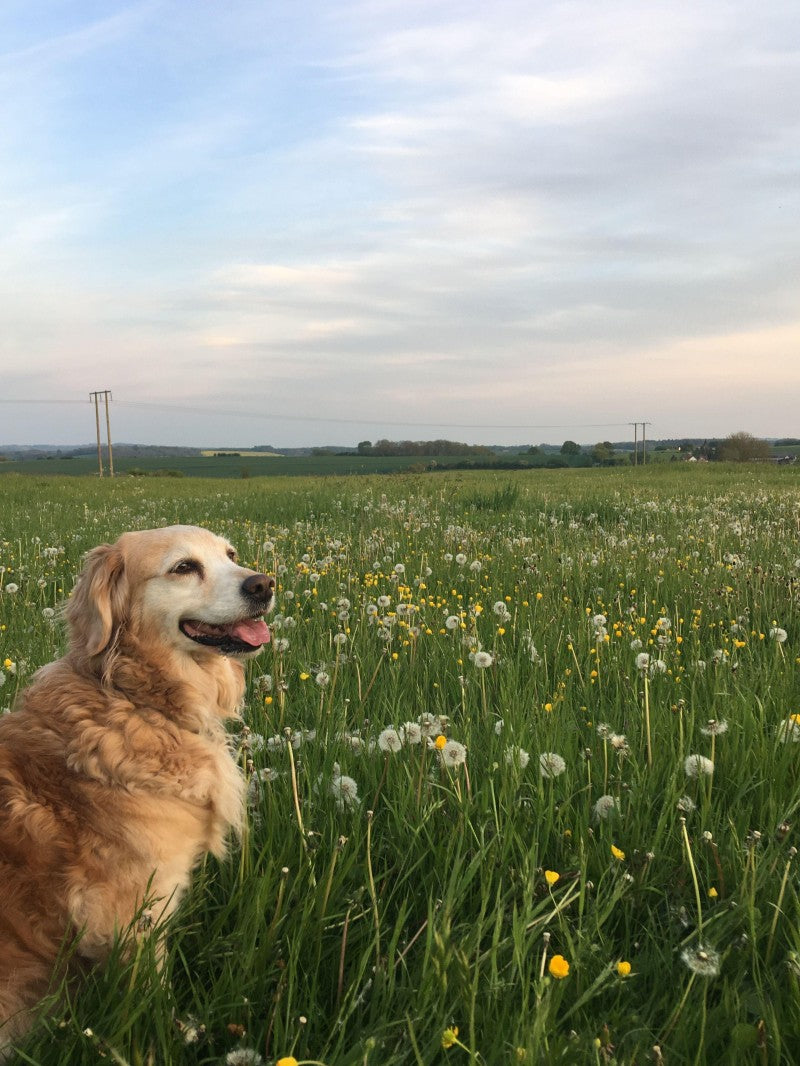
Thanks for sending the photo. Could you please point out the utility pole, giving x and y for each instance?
(105, 393)
(644, 442)
(635, 442)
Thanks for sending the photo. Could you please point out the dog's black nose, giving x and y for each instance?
(259, 587)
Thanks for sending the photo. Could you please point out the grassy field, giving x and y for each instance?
(230, 466)
(543, 734)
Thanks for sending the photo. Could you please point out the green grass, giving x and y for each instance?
(347, 937)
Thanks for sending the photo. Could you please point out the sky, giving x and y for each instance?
(319, 223)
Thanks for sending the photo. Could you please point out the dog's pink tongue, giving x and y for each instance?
(254, 631)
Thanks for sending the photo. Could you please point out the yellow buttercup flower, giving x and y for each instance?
(440, 742)
(449, 1037)
(551, 877)
(287, 1060)
(618, 853)
(623, 968)
(559, 967)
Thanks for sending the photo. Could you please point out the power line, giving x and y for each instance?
(271, 416)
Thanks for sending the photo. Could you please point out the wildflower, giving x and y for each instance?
(559, 967)
(605, 807)
(340, 638)
(551, 765)
(603, 731)
(686, 805)
(449, 1037)
(461, 558)
(410, 733)
(551, 877)
(389, 740)
(517, 757)
(623, 968)
(642, 660)
(428, 724)
(715, 727)
(322, 678)
(246, 1056)
(483, 659)
(698, 765)
(778, 635)
(287, 1060)
(701, 960)
(440, 742)
(453, 753)
(712, 893)
(452, 622)
(618, 853)
(11, 588)
(345, 791)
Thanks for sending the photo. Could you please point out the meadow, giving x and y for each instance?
(523, 771)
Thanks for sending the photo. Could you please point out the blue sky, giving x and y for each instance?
(319, 223)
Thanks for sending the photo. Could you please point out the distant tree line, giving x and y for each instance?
(421, 447)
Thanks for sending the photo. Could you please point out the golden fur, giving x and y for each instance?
(116, 775)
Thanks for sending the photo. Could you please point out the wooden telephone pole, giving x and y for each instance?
(106, 394)
(636, 441)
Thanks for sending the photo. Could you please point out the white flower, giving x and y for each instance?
(345, 791)
(499, 726)
(551, 765)
(500, 608)
(475, 566)
(453, 753)
(686, 804)
(779, 635)
(428, 724)
(384, 601)
(11, 588)
(48, 613)
(452, 622)
(636, 644)
(281, 645)
(701, 960)
(658, 666)
(340, 638)
(461, 558)
(483, 659)
(517, 757)
(642, 660)
(322, 678)
(715, 727)
(698, 765)
(410, 733)
(400, 568)
(389, 740)
(599, 620)
(605, 807)
(243, 1056)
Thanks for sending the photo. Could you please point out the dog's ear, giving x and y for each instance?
(98, 604)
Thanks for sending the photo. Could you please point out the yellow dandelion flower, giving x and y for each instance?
(618, 853)
(304, 676)
(449, 1037)
(551, 877)
(440, 742)
(623, 968)
(559, 967)
(287, 1060)
(712, 893)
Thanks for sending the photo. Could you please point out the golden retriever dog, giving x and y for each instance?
(116, 773)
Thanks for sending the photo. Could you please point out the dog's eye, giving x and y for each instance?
(187, 566)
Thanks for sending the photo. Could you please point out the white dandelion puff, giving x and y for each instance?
(551, 765)
(778, 635)
(453, 753)
(604, 808)
(389, 740)
(517, 757)
(701, 960)
(696, 766)
(483, 659)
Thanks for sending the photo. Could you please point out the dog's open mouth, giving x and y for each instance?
(248, 634)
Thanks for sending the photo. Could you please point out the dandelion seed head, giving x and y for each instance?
(696, 766)
(551, 765)
(701, 960)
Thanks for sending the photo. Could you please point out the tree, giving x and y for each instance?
(364, 447)
(569, 447)
(603, 453)
(743, 448)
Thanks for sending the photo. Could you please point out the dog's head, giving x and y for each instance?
(180, 588)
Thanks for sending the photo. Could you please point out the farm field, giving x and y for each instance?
(523, 759)
(229, 466)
